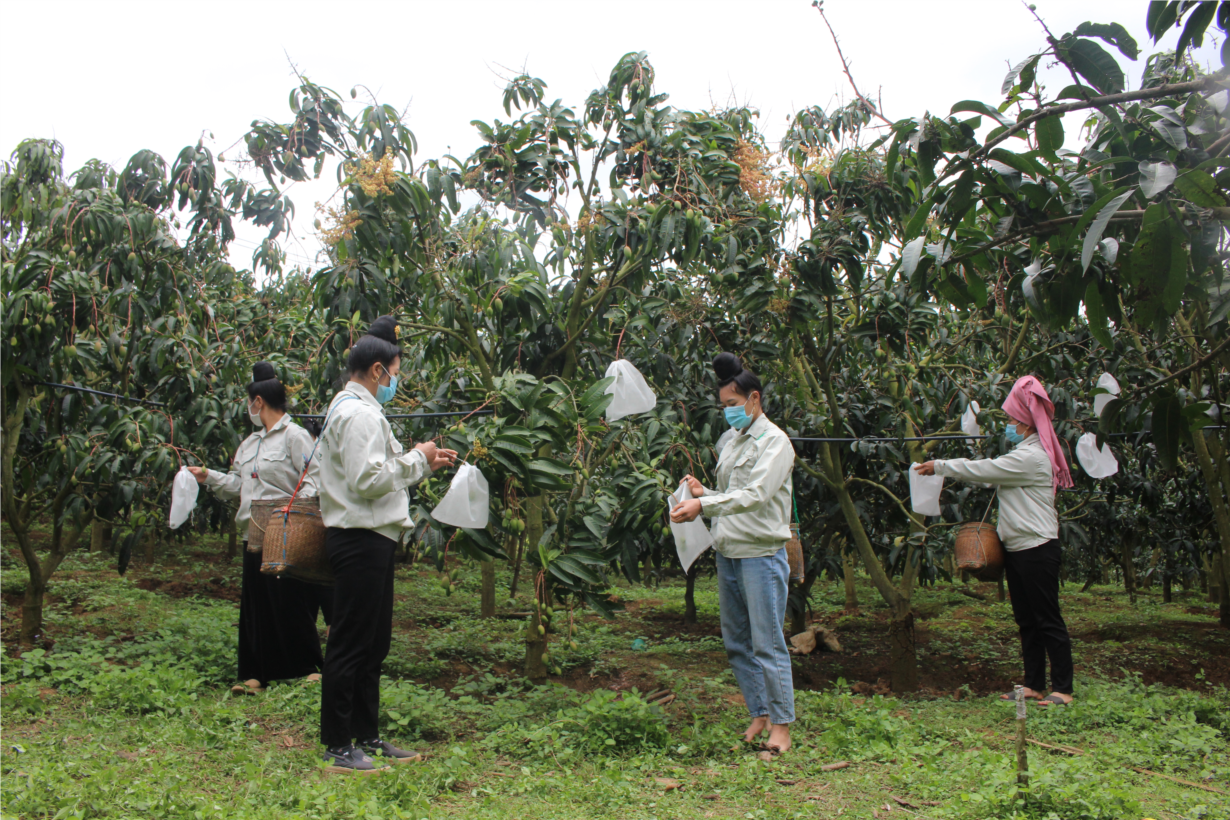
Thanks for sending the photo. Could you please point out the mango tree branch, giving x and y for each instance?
(1213, 354)
(900, 504)
(1016, 346)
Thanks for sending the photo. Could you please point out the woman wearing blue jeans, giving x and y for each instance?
(752, 526)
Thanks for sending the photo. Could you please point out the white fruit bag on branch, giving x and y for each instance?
(466, 502)
(184, 489)
(925, 492)
(632, 393)
(1106, 382)
(1097, 463)
(691, 538)
(969, 420)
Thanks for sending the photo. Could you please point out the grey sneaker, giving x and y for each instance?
(382, 748)
(345, 759)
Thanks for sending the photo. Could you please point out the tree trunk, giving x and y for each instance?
(108, 538)
(1206, 569)
(1154, 559)
(1001, 594)
(1166, 589)
(232, 541)
(1213, 464)
(487, 605)
(519, 548)
(1214, 578)
(536, 643)
(97, 536)
(903, 658)
(847, 576)
(149, 547)
(32, 611)
(689, 595)
(1127, 554)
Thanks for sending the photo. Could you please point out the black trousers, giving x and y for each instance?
(359, 635)
(1033, 583)
(277, 624)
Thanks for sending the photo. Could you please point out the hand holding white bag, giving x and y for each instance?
(1096, 463)
(466, 502)
(184, 489)
(925, 492)
(692, 538)
(632, 393)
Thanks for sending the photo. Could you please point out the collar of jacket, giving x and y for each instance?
(363, 393)
(1032, 438)
(757, 427)
(278, 425)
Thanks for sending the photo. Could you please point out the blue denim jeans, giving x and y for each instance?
(752, 594)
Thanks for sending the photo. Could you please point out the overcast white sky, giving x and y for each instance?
(110, 78)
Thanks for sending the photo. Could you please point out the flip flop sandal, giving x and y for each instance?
(1012, 696)
(1052, 700)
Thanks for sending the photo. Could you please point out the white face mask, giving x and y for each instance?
(254, 416)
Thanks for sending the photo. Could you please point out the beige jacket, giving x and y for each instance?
(267, 465)
(1027, 515)
(755, 488)
(364, 470)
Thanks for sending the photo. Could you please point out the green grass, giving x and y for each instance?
(129, 713)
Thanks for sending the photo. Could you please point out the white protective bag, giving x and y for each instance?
(632, 392)
(692, 538)
(969, 420)
(1106, 382)
(925, 492)
(1097, 463)
(466, 502)
(184, 489)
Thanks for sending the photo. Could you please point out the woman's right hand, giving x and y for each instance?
(199, 473)
(436, 457)
(694, 486)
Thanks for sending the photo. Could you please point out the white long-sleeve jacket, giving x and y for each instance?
(752, 505)
(267, 465)
(1027, 514)
(364, 470)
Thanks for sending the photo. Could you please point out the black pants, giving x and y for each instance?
(1033, 583)
(277, 624)
(359, 635)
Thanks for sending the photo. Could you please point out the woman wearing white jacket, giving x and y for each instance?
(277, 616)
(364, 473)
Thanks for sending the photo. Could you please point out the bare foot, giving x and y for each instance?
(1029, 694)
(756, 728)
(779, 738)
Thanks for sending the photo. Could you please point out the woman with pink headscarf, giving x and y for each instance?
(1027, 480)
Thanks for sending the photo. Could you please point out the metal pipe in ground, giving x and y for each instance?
(1022, 742)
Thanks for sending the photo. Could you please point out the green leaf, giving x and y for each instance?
(1094, 63)
(1099, 225)
(1024, 70)
(977, 107)
(1112, 33)
(1167, 428)
(1049, 132)
(595, 391)
(1199, 188)
(544, 465)
(1095, 316)
(1193, 31)
(1155, 177)
(1160, 17)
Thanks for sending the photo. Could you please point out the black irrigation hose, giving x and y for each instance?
(101, 393)
(448, 413)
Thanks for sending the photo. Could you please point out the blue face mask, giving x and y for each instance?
(386, 392)
(1013, 436)
(737, 417)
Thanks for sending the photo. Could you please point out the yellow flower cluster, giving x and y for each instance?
(478, 451)
(754, 173)
(341, 225)
(375, 177)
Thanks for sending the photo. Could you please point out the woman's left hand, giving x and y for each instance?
(926, 468)
(687, 511)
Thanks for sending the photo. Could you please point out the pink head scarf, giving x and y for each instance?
(1028, 403)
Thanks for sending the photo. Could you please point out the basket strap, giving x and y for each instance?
(992, 501)
(794, 500)
(307, 464)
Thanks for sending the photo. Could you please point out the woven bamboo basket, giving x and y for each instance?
(294, 544)
(794, 554)
(261, 510)
(979, 551)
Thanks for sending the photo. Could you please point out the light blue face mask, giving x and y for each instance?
(386, 392)
(737, 417)
(1013, 436)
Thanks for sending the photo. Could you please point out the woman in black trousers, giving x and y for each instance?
(364, 473)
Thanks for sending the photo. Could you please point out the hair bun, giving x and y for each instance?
(727, 366)
(384, 328)
(263, 372)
